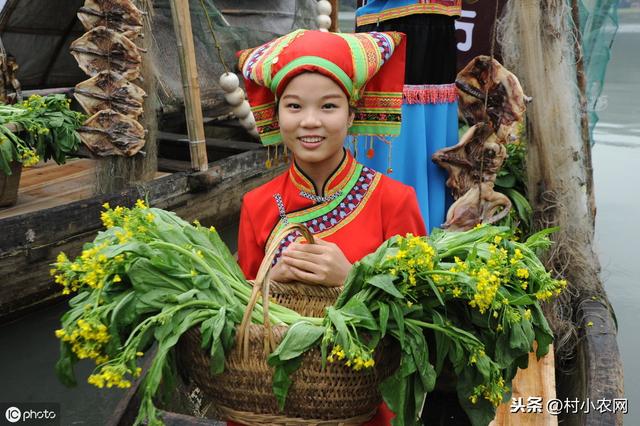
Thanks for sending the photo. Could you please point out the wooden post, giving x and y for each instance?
(189, 72)
(335, 25)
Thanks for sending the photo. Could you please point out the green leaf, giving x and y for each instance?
(339, 323)
(357, 313)
(385, 283)
(64, 366)
(525, 212)
(281, 379)
(383, 317)
(398, 317)
(299, 338)
(507, 181)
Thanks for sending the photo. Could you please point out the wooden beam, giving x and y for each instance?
(188, 70)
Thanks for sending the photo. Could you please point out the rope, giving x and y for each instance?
(215, 39)
(486, 100)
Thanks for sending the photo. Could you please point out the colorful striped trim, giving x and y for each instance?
(324, 222)
(299, 180)
(321, 63)
(274, 51)
(399, 12)
(429, 93)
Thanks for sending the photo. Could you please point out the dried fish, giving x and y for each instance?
(481, 204)
(121, 16)
(476, 158)
(110, 133)
(109, 90)
(102, 49)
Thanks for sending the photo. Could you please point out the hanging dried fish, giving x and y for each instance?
(109, 90)
(110, 133)
(477, 157)
(121, 16)
(102, 49)
(481, 204)
(506, 101)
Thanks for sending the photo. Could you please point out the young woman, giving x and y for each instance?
(302, 88)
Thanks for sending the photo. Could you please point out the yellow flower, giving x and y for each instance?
(106, 206)
(590, 324)
(116, 278)
(522, 273)
(141, 204)
(497, 239)
(456, 292)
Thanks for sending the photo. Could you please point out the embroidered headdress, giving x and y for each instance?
(368, 67)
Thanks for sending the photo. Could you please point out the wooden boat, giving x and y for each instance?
(32, 237)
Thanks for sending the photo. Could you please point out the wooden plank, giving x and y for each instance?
(43, 174)
(211, 142)
(537, 380)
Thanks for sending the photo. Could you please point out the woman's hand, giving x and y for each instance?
(320, 263)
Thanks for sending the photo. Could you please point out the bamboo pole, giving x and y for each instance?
(335, 25)
(189, 72)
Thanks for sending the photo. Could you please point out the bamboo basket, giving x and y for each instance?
(243, 392)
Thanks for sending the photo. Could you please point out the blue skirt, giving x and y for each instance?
(426, 128)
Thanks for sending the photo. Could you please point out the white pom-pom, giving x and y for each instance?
(242, 110)
(248, 122)
(324, 7)
(235, 98)
(229, 82)
(323, 21)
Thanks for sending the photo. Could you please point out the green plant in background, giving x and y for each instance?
(46, 130)
(511, 181)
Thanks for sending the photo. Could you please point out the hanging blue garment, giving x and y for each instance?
(426, 128)
(429, 113)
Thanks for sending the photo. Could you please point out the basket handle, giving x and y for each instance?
(261, 284)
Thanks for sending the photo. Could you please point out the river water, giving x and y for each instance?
(616, 161)
(28, 348)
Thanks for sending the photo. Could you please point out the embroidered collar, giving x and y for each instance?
(333, 186)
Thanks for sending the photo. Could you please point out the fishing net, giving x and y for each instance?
(237, 25)
(538, 45)
(598, 26)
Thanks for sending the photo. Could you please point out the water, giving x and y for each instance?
(616, 161)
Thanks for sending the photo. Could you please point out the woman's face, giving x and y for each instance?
(314, 117)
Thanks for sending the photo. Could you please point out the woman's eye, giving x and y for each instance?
(329, 106)
(293, 106)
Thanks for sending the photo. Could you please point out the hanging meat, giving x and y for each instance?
(110, 133)
(109, 90)
(481, 204)
(476, 158)
(121, 16)
(506, 101)
(104, 49)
